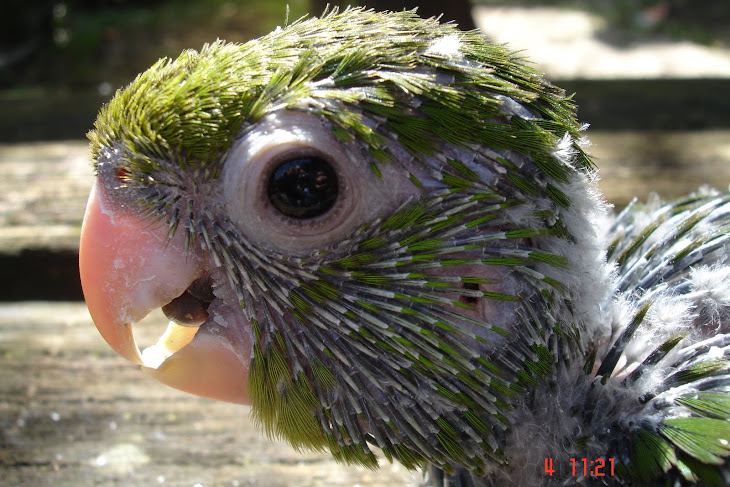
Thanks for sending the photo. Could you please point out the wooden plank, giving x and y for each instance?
(43, 191)
(669, 164)
(44, 187)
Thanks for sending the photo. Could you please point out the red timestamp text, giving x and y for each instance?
(598, 467)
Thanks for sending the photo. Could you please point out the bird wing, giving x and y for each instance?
(667, 370)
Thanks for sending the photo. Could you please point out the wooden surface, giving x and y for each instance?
(43, 192)
(72, 413)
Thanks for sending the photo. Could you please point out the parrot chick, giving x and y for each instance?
(380, 231)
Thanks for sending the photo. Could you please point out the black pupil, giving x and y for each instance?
(304, 187)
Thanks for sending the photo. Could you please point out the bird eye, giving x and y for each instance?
(291, 186)
(303, 187)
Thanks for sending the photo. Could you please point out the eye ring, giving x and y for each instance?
(362, 194)
(252, 160)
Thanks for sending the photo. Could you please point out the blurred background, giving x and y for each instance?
(651, 77)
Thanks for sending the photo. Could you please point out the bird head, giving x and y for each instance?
(373, 228)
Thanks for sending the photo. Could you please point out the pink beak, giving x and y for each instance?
(128, 268)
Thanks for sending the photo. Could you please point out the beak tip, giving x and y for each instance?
(127, 346)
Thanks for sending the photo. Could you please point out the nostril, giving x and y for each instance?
(122, 174)
(191, 307)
